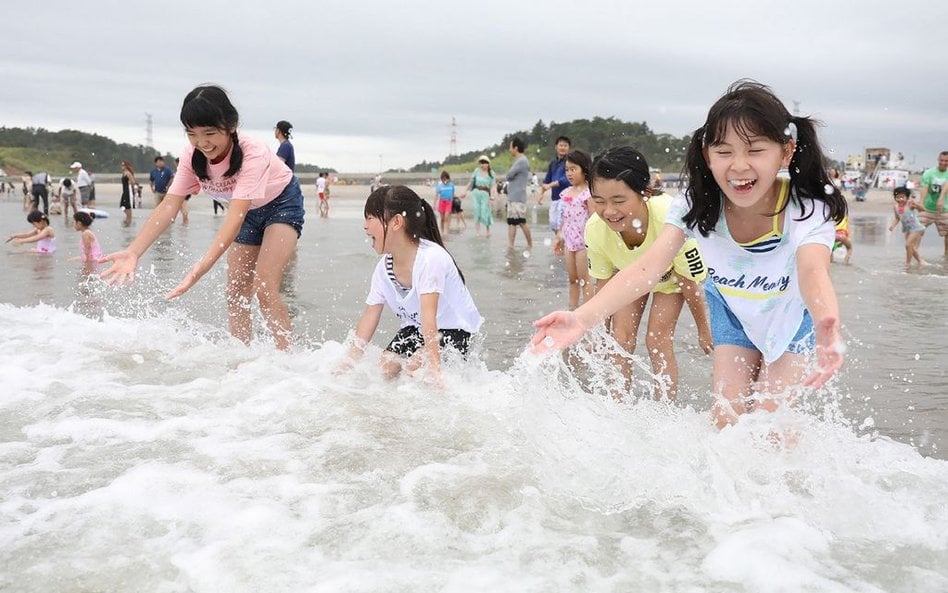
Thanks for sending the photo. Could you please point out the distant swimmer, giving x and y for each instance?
(766, 242)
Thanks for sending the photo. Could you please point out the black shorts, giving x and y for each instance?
(456, 206)
(408, 340)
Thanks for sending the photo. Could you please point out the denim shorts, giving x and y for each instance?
(286, 208)
(727, 329)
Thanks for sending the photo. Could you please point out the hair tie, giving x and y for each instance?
(791, 131)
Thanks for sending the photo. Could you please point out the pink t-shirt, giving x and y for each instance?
(261, 178)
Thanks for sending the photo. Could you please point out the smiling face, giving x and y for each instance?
(619, 206)
(215, 143)
(375, 229)
(746, 168)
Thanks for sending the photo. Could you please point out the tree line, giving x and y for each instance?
(662, 151)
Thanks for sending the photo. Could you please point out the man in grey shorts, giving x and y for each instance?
(84, 184)
(517, 178)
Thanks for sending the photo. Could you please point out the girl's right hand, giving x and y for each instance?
(556, 331)
(829, 352)
(123, 267)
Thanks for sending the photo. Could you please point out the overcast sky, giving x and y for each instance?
(369, 83)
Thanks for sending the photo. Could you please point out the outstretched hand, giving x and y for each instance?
(122, 269)
(190, 280)
(829, 352)
(556, 331)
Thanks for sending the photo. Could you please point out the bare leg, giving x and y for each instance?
(279, 245)
(735, 371)
(662, 320)
(241, 260)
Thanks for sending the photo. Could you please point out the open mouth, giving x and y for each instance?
(742, 184)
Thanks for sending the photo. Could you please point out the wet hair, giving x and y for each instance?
(445, 176)
(581, 160)
(902, 191)
(753, 110)
(518, 143)
(67, 182)
(624, 164)
(36, 216)
(208, 106)
(284, 127)
(563, 139)
(84, 218)
(420, 220)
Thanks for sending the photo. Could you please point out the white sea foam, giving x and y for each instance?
(158, 454)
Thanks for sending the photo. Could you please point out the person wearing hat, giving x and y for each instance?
(481, 187)
(84, 184)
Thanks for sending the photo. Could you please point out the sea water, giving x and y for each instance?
(143, 449)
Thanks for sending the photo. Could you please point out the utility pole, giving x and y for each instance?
(149, 138)
(453, 147)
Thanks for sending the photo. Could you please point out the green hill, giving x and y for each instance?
(662, 151)
(38, 149)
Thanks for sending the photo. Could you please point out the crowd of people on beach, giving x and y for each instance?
(746, 245)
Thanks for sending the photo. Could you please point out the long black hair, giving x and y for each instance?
(625, 164)
(420, 220)
(753, 110)
(208, 106)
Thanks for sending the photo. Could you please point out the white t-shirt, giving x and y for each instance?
(761, 289)
(321, 184)
(433, 271)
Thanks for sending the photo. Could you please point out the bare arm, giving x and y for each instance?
(21, 235)
(429, 329)
(694, 296)
(364, 331)
(125, 261)
(630, 284)
(820, 298)
(225, 236)
(34, 236)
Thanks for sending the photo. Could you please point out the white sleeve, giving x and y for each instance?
(676, 213)
(818, 229)
(376, 293)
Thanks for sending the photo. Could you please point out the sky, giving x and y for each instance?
(372, 85)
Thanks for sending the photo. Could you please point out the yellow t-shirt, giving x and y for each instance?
(608, 253)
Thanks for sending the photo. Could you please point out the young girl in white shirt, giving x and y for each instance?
(419, 281)
(766, 242)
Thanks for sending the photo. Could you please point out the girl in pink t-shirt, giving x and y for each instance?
(575, 212)
(263, 222)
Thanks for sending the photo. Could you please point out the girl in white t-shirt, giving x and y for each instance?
(419, 281)
(263, 222)
(766, 242)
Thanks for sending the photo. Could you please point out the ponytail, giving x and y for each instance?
(420, 219)
(702, 189)
(807, 171)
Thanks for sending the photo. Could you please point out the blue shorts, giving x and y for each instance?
(727, 329)
(286, 208)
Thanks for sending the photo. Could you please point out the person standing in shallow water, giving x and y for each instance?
(517, 178)
(262, 226)
(282, 132)
(128, 182)
(481, 188)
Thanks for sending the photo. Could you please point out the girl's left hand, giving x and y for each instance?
(829, 352)
(190, 280)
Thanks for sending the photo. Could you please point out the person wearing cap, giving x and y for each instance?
(481, 188)
(84, 184)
